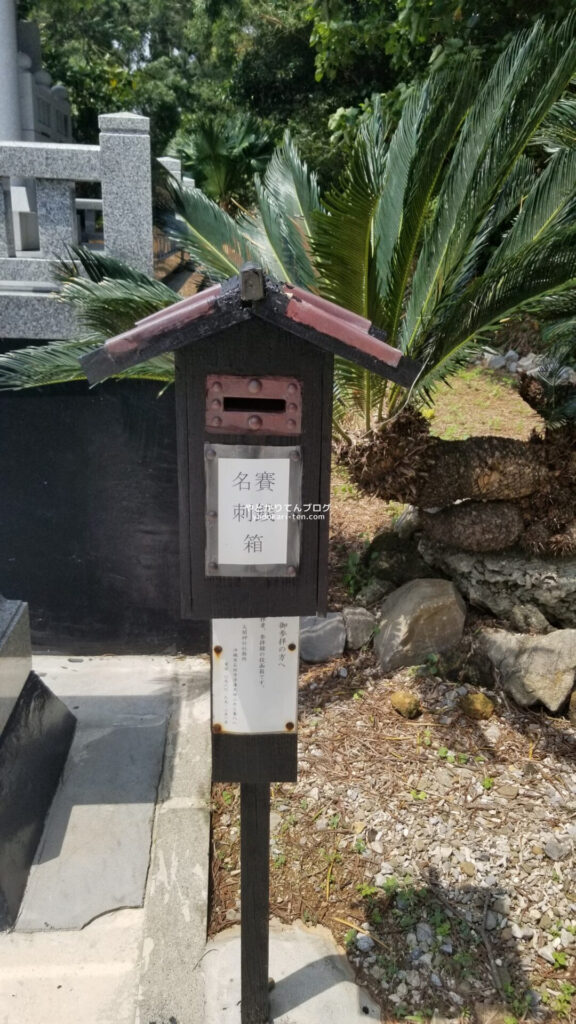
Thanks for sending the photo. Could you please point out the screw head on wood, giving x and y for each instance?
(210, 454)
(291, 570)
(254, 422)
(254, 386)
(295, 456)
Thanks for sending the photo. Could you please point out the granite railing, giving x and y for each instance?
(41, 180)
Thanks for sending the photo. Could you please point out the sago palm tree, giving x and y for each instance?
(438, 232)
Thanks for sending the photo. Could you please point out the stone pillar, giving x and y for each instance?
(6, 222)
(26, 92)
(172, 165)
(10, 105)
(57, 222)
(127, 189)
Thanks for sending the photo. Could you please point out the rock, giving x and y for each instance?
(364, 943)
(407, 522)
(556, 850)
(477, 706)
(373, 592)
(425, 616)
(511, 356)
(396, 559)
(406, 704)
(491, 921)
(495, 363)
(533, 668)
(487, 1013)
(508, 791)
(468, 868)
(502, 905)
(500, 582)
(547, 954)
(322, 639)
(424, 934)
(529, 363)
(360, 625)
(527, 618)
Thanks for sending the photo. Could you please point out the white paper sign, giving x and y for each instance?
(253, 496)
(255, 674)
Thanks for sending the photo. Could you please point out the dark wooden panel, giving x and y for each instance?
(325, 475)
(263, 757)
(261, 350)
(182, 434)
(254, 900)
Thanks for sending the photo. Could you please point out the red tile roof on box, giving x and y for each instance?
(320, 321)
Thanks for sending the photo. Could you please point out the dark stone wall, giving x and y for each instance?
(89, 516)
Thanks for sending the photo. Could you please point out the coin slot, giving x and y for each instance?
(252, 404)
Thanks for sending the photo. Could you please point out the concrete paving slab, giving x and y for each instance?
(314, 981)
(71, 977)
(134, 964)
(171, 982)
(95, 849)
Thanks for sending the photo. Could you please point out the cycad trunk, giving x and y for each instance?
(493, 492)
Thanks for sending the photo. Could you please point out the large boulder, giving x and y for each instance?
(532, 668)
(420, 618)
(360, 625)
(498, 583)
(322, 638)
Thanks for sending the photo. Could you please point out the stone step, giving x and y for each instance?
(94, 853)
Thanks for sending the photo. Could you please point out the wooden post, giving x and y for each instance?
(255, 877)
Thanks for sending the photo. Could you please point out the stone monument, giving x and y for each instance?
(36, 731)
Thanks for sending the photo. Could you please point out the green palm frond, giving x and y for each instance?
(211, 236)
(110, 307)
(96, 266)
(550, 201)
(288, 196)
(343, 231)
(559, 127)
(561, 337)
(59, 363)
(528, 78)
(415, 167)
(524, 282)
(358, 389)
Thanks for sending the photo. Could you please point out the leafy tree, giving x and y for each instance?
(143, 55)
(385, 44)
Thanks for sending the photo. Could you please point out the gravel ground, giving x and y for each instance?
(440, 851)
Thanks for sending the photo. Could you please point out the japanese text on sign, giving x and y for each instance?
(242, 482)
(255, 674)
